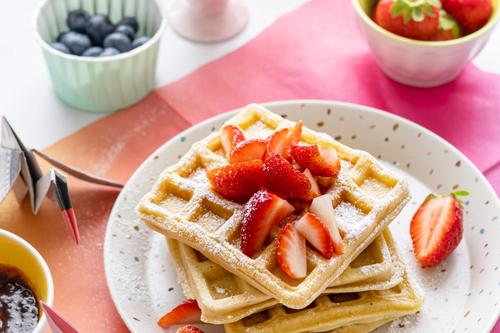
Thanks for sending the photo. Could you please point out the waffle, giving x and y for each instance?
(368, 309)
(224, 298)
(181, 205)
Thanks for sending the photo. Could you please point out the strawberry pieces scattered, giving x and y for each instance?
(187, 312)
(282, 178)
(407, 19)
(314, 185)
(261, 213)
(321, 161)
(238, 181)
(316, 233)
(230, 136)
(189, 329)
(436, 229)
(248, 150)
(281, 140)
(470, 14)
(291, 252)
(322, 207)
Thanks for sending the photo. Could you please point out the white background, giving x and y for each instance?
(26, 96)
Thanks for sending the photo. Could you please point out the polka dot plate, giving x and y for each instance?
(462, 294)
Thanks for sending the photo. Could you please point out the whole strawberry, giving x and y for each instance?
(417, 19)
(470, 14)
(448, 27)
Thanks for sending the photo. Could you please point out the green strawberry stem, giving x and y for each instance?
(414, 10)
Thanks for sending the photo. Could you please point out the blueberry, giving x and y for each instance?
(109, 51)
(60, 36)
(139, 41)
(77, 19)
(131, 22)
(60, 47)
(94, 51)
(118, 41)
(126, 30)
(98, 27)
(76, 42)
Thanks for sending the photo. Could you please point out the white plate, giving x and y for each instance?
(461, 294)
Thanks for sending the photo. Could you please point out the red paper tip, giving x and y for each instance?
(70, 220)
(56, 322)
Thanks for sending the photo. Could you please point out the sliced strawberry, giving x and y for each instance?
(295, 133)
(278, 143)
(237, 181)
(261, 213)
(291, 252)
(321, 161)
(436, 229)
(281, 140)
(314, 185)
(189, 329)
(248, 150)
(281, 178)
(187, 312)
(322, 207)
(230, 136)
(316, 233)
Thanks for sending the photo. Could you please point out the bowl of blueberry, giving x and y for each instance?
(101, 55)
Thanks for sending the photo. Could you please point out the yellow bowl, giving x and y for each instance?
(16, 252)
(420, 63)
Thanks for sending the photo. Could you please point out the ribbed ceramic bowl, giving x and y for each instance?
(420, 63)
(16, 252)
(108, 83)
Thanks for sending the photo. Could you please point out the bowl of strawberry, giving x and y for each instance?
(425, 43)
(101, 55)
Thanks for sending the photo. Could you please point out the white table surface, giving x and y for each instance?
(40, 118)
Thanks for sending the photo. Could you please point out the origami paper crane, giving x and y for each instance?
(20, 171)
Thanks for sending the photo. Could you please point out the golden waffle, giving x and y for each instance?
(334, 311)
(362, 328)
(181, 205)
(225, 298)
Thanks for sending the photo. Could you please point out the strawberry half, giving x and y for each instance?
(291, 252)
(187, 312)
(230, 136)
(436, 229)
(262, 212)
(408, 18)
(321, 161)
(281, 140)
(278, 143)
(314, 185)
(248, 150)
(472, 15)
(281, 178)
(237, 181)
(322, 207)
(316, 233)
(189, 329)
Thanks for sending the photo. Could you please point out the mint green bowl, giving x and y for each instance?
(101, 84)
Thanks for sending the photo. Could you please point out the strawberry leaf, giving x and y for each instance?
(417, 14)
(461, 193)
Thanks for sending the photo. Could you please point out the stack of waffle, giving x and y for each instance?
(358, 291)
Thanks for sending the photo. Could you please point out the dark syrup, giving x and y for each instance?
(18, 304)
